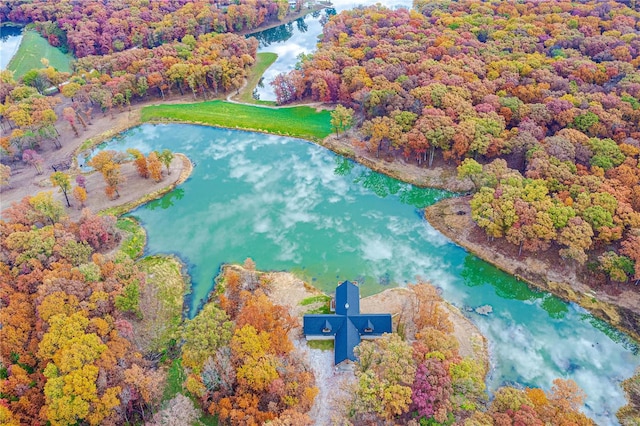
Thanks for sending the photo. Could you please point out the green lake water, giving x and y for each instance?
(291, 205)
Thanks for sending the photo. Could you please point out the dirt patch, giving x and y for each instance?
(452, 217)
(25, 181)
(400, 303)
(134, 192)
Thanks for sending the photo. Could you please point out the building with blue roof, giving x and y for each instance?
(347, 326)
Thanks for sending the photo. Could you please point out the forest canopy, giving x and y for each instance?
(538, 102)
(100, 28)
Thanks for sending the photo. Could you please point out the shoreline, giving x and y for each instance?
(297, 296)
(610, 310)
(620, 312)
(289, 290)
(436, 177)
(185, 172)
(288, 19)
(620, 317)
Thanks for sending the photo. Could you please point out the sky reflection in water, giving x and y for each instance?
(291, 205)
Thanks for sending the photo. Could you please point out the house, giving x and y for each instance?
(347, 326)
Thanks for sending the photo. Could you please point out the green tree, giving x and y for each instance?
(166, 157)
(61, 180)
(204, 334)
(617, 267)
(46, 207)
(129, 300)
(467, 378)
(385, 373)
(606, 153)
(473, 170)
(341, 119)
(584, 121)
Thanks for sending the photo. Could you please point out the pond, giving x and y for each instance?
(288, 41)
(292, 205)
(10, 38)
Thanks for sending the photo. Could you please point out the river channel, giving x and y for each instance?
(288, 41)
(292, 205)
(10, 38)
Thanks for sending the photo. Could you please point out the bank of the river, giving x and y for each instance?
(10, 38)
(24, 181)
(440, 177)
(245, 95)
(452, 217)
(135, 192)
(288, 290)
(289, 18)
(619, 311)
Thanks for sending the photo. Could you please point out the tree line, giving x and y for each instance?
(99, 28)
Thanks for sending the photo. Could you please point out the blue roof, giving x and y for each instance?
(347, 326)
(347, 299)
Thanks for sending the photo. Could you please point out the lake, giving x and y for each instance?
(10, 38)
(288, 41)
(292, 205)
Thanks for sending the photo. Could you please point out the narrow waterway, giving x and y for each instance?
(288, 41)
(10, 38)
(292, 205)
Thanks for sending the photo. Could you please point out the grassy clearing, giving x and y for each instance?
(263, 61)
(319, 304)
(33, 48)
(175, 378)
(303, 122)
(324, 309)
(321, 298)
(162, 302)
(133, 244)
(324, 345)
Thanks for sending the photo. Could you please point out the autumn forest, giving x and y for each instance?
(535, 105)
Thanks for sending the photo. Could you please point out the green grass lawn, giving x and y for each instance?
(303, 122)
(324, 345)
(33, 48)
(263, 61)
